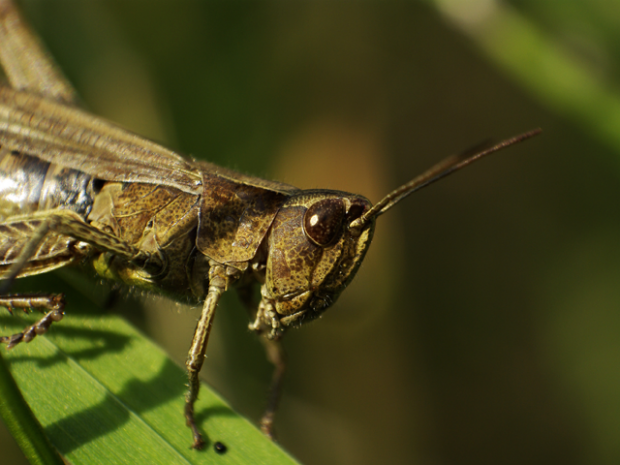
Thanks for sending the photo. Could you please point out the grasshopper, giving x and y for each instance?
(77, 189)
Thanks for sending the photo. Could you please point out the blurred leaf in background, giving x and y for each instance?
(483, 327)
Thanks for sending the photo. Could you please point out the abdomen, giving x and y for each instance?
(28, 187)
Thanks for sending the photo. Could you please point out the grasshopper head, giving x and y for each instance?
(313, 254)
(319, 238)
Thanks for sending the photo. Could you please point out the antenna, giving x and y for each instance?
(437, 172)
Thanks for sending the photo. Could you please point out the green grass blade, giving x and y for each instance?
(541, 64)
(104, 394)
(22, 423)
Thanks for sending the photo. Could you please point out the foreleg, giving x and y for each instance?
(275, 354)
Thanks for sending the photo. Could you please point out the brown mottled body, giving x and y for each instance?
(74, 187)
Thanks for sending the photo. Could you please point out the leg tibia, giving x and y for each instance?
(55, 303)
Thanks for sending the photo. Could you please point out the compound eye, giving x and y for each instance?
(323, 221)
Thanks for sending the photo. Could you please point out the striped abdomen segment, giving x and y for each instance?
(28, 185)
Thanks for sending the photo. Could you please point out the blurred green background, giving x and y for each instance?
(484, 326)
